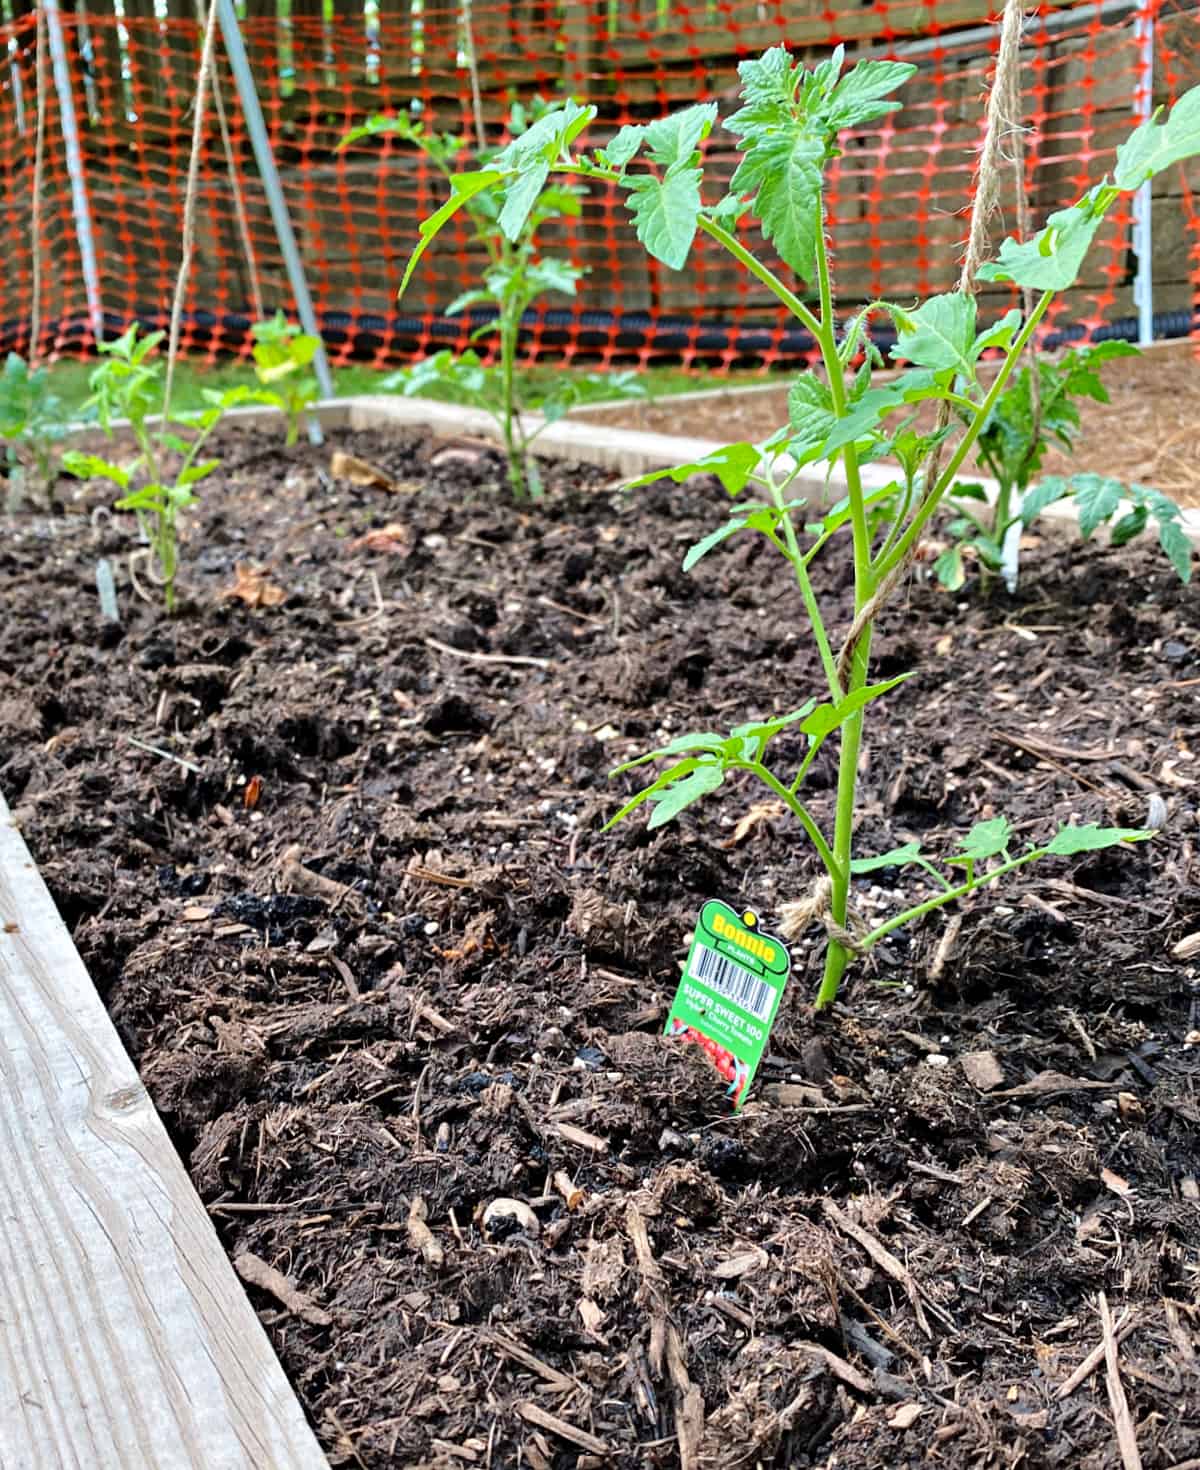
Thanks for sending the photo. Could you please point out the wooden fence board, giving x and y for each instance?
(125, 1337)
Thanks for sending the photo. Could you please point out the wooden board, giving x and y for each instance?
(125, 1338)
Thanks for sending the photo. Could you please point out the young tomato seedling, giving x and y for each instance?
(32, 421)
(1036, 410)
(127, 385)
(517, 275)
(282, 356)
(787, 130)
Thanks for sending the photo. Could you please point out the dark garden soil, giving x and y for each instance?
(1149, 432)
(379, 969)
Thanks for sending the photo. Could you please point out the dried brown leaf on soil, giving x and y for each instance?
(252, 586)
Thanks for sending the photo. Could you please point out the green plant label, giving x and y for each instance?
(729, 993)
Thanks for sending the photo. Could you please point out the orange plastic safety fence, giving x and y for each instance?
(897, 198)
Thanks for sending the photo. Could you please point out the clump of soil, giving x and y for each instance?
(356, 922)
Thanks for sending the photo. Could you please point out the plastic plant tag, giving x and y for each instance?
(729, 993)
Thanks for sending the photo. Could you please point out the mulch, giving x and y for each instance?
(399, 1000)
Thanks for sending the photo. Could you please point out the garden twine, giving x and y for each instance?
(189, 202)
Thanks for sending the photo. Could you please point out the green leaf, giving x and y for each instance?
(1000, 334)
(841, 513)
(985, 840)
(858, 97)
(521, 195)
(733, 465)
(676, 773)
(763, 518)
(783, 170)
(784, 147)
(968, 491)
(1129, 526)
(624, 145)
(1097, 498)
(826, 718)
(940, 334)
(196, 472)
(92, 466)
(672, 141)
(665, 212)
(552, 273)
(680, 794)
(1068, 841)
(949, 569)
(1050, 490)
(765, 730)
(1156, 145)
(810, 409)
(399, 123)
(706, 740)
(875, 404)
(1052, 259)
(464, 187)
(1174, 541)
(897, 858)
(714, 538)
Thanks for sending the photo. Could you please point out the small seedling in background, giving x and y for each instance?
(156, 482)
(517, 275)
(32, 423)
(283, 355)
(787, 130)
(1012, 447)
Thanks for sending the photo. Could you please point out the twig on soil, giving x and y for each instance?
(888, 1263)
(580, 1136)
(848, 1374)
(945, 947)
(556, 1381)
(571, 611)
(973, 1214)
(420, 1237)
(166, 755)
(299, 879)
(1122, 1418)
(488, 658)
(1093, 1360)
(666, 1346)
(1032, 746)
(554, 1425)
(376, 612)
(254, 1269)
(1106, 900)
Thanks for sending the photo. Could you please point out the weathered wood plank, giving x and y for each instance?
(125, 1338)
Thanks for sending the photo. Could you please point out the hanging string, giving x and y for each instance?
(235, 188)
(189, 202)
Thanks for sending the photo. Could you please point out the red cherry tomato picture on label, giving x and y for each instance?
(734, 1072)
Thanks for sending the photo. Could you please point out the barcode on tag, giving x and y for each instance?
(732, 981)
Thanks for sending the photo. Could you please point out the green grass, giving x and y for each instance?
(70, 380)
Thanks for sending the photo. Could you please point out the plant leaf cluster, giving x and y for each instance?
(787, 128)
(32, 421)
(156, 482)
(283, 355)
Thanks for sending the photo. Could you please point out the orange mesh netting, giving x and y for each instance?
(896, 199)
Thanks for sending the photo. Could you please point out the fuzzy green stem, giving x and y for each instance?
(798, 810)
(821, 330)
(939, 900)
(837, 956)
(799, 561)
